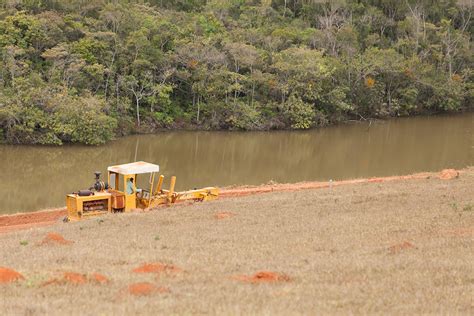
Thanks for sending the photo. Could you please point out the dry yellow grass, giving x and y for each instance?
(399, 247)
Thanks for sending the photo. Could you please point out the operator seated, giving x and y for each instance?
(131, 188)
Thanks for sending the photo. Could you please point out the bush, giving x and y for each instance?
(163, 119)
(299, 113)
(82, 120)
(244, 116)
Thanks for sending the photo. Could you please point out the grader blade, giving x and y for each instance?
(206, 194)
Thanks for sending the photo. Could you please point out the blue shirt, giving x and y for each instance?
(130, 189)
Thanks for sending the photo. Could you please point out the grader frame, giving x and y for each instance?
(114, 199)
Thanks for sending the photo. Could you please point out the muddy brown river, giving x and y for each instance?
(36, 177)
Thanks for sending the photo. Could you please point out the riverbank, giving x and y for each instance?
(381, 245)
(149, 130)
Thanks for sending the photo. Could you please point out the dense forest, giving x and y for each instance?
(87, 71)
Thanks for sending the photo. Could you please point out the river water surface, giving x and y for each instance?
(35, 177)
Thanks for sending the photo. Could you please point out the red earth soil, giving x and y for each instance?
(55, 239)
(28, 220)
(223, 215)
(157, 268)
(9, 275)
(461, 232)
(263, 276)
(314, 185)
(402, 246)
(145, 288)
(448, 174)
(20, 221)
(75, 278)
(99, 278)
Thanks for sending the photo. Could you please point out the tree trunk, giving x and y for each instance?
(117, 92)
(199, 109)
(138, 110)
(106, 88)
(253, 87)
(389, 94)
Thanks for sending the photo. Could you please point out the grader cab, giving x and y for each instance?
(120, 193)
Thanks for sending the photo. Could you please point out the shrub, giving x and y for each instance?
(299, 113)
(83, 120)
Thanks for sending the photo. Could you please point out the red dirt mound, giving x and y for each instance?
(461, 231)
(75, 278)
(9, 275)
(223, 215)
(402, 246)
(263, 276)
(99, 278)
(157, 268)
(145, 288)
(448, 174)
(55, 239)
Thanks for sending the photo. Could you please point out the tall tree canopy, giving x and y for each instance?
(86, 71)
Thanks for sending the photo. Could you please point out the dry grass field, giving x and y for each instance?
(398, 247)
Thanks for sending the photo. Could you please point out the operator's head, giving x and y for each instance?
(131, 179)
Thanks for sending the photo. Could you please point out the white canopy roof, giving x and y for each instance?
(138, 167)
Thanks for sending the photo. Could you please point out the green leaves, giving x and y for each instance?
(89, 49)
(84, 71)
(82, 120)
(299, 113)
(209, 24)
(40, 115)
(21, 30)
(244, 116)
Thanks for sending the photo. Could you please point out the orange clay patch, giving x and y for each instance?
(263, 276)
(448, 174)
(461, 232)
(9, 275)
(99, 278)
(157, 268)
(55, 239)
(145, 288)
(402, 246)
(74, 278)
(77, 279)
(223, 215)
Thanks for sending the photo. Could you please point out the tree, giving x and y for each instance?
(217, 64)
(140, 88)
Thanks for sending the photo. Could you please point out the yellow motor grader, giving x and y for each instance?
(120, 193)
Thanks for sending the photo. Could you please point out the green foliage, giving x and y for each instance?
(85, 71)
(89, 49)
(244, 116)
(21, 30)
(39, 115)
(164, 119)
(82, 120)
(299, 113)
(209, 24)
